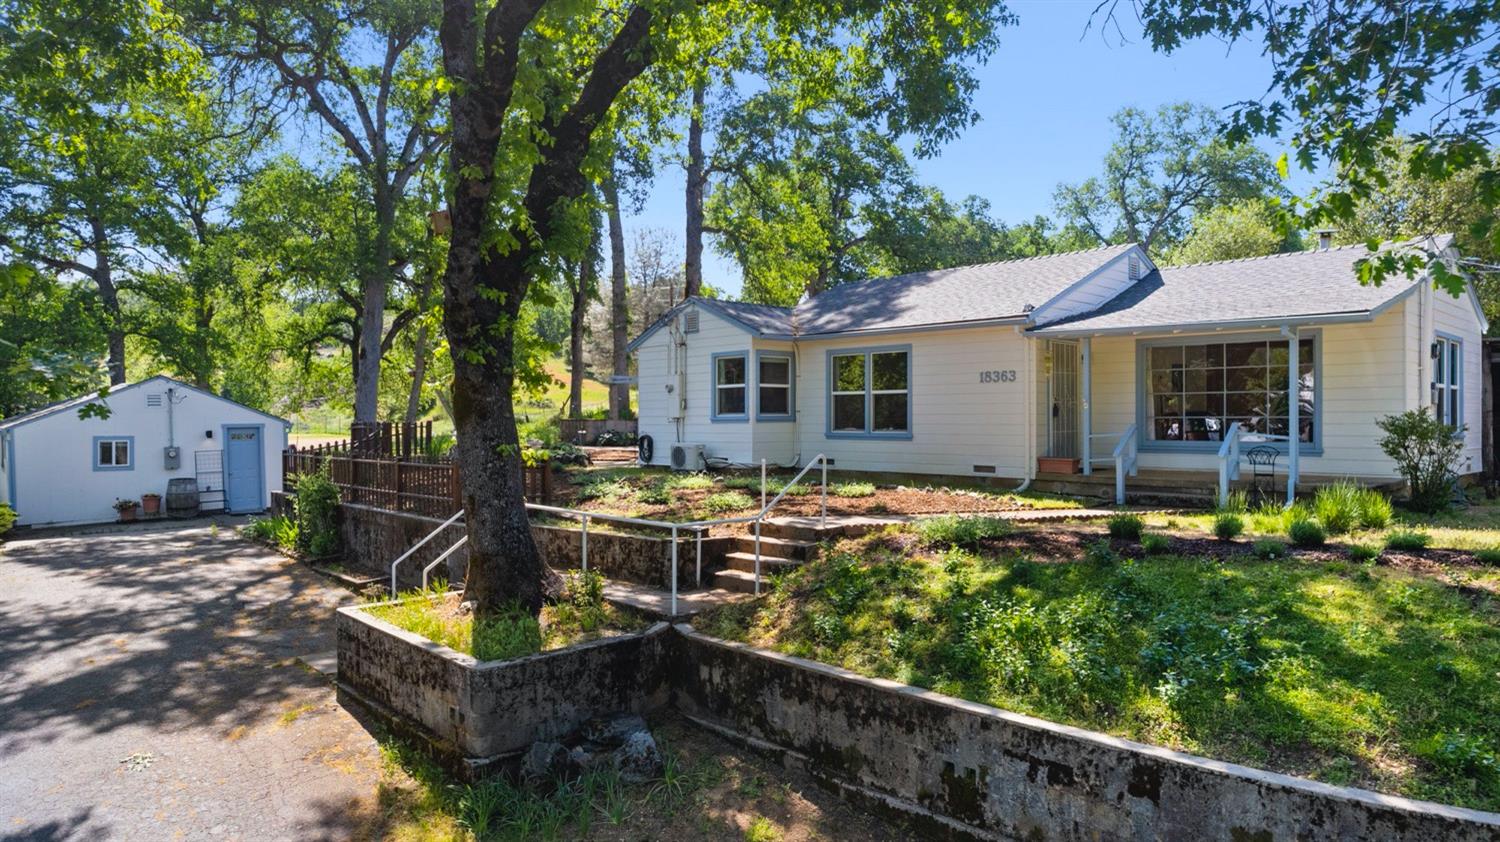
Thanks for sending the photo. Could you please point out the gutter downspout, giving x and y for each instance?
(1030, 404)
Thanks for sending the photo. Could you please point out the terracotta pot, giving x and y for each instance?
(1057, 465)
(151, 503)
(127, 515)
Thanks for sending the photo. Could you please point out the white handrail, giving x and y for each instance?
(1229, 460)
(417, 546)
(442, 558)
(1126, 454)
(698, 526)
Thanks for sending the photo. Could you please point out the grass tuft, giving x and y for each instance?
(852, 489)
(959, 531)
(1126, 526)
(1407, 540)
(1228, 526)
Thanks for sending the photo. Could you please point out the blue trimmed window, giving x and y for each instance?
(1448, 380)
(114, 453)
(731, 386)
(869, 392)
(774, 394)
(1195, 390)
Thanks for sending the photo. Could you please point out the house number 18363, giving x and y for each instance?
(997, 376)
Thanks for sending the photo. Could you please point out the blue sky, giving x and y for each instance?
(1044, 100)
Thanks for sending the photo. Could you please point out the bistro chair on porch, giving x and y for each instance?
(1262, 472)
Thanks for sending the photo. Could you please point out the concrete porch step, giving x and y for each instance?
(810, 529)
(783, 547)
(745, 562)
(739, 581)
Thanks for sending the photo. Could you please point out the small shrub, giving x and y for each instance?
(317, 506)
(1305, 532)
(1364, 552)
(762, 830)
(956, 531)
(1426, 453)
(615, 438)
(261, 529)
(1100, 552)
(1489, 556)
(655, 494)
(1238, 503)
(7, 518)
(1269, 549)
(604, 488)
(1337, 506)
(1407, 540)
(1461, 755)
(775, 486)
(1228, 526)
(1126, 526)
(852, 489)
(692, 482)
(1155, 543)
(727, 501)
(1374, 509)
(286, 534)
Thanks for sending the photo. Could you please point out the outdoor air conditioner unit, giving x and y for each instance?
(688, 457)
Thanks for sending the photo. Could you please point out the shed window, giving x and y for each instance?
(870, 392)
(1447, 382)
(730, 385)
(1195, 391)
(774, 386)
(113, 454)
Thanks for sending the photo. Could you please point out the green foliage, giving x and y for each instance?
(51, 339)
(1426, 453)
(317, 506)
(655, 494)
(762, 829)
(725, 502)
(1246, 228)
(1125, 526)
(1407, 540)
(1155, 543)
(1100, 553)
(1364, 552)
(691, 482)
(1228, 526)
(1375, 511)
(852, 489)
(286, 535)
(261, 529)
(1488, 556)
(7, 518)
(1338, 506)
(1269, 549)
(960, 531)
(1237, 503)
(1306, 532)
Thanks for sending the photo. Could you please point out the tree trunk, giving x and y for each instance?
(418, 374)
(619, 303)
(109, 297)
(693, 266)
(373, 288)
(580, 303)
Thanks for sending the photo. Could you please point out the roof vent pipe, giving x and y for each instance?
(1325, 239)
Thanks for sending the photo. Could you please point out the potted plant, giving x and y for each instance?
(151, 503)
(126, 508)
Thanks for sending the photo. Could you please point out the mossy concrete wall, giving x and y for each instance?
(966, 769)
(480, 711)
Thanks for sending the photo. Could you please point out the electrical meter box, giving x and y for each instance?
(172, 458)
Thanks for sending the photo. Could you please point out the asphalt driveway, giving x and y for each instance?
(149, 689)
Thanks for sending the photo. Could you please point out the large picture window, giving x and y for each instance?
(870, 392)
(731, 386)
(1194, 391)
(1447, 381)
(773, 387)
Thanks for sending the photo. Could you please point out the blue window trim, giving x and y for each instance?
(260, 439)
(713, 386)
(791, 394)
(1458, 428)
(1147, 444)
(867, 433)
(130, 440)
(10, 466)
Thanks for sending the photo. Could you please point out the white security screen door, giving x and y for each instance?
(1062, 389)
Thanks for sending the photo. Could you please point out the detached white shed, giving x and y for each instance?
(58, 468)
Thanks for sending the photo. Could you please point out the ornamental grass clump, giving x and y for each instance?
(1305, 532)
(1228, 526)
(958, 531)
(1407, 540)
(1126, 526)
(1155, 544)
(1337, 507)
(852, 489)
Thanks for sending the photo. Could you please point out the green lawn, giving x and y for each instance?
(1348, 673)
(1472, 527)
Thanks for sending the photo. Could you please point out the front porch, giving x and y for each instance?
(1176, 487)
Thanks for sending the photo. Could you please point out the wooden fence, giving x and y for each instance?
(422, 485)
(585, 431)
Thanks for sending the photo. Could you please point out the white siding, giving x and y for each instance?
(1110, 280)
(54, 455)
(656, 406)
(776, 441)
(1362, 380)
(1456, 317)
(957, 421)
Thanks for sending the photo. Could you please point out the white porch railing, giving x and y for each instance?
(697, 527)
(1126, 455)
(1230, 456)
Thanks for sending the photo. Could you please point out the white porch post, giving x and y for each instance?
(1088, 406)
(1293, 412)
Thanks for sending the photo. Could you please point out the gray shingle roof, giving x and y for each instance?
(1299, 285)
(764, 319)
(979, 293)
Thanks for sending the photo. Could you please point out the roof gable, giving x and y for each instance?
(756, 319)
(76, 402)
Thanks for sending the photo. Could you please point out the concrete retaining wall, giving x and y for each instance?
(372, 538)
(483, 710)
(973, 770)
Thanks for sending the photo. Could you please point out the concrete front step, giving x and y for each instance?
(738, 581)
(782, 547)
(811, 529)
(768, 563)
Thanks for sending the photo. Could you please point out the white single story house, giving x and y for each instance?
(1090, 355)
(58, 468)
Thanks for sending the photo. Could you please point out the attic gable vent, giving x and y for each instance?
(153, 399)
(690, 321)
(1135, 267)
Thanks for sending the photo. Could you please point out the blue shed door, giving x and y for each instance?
(242, 469)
